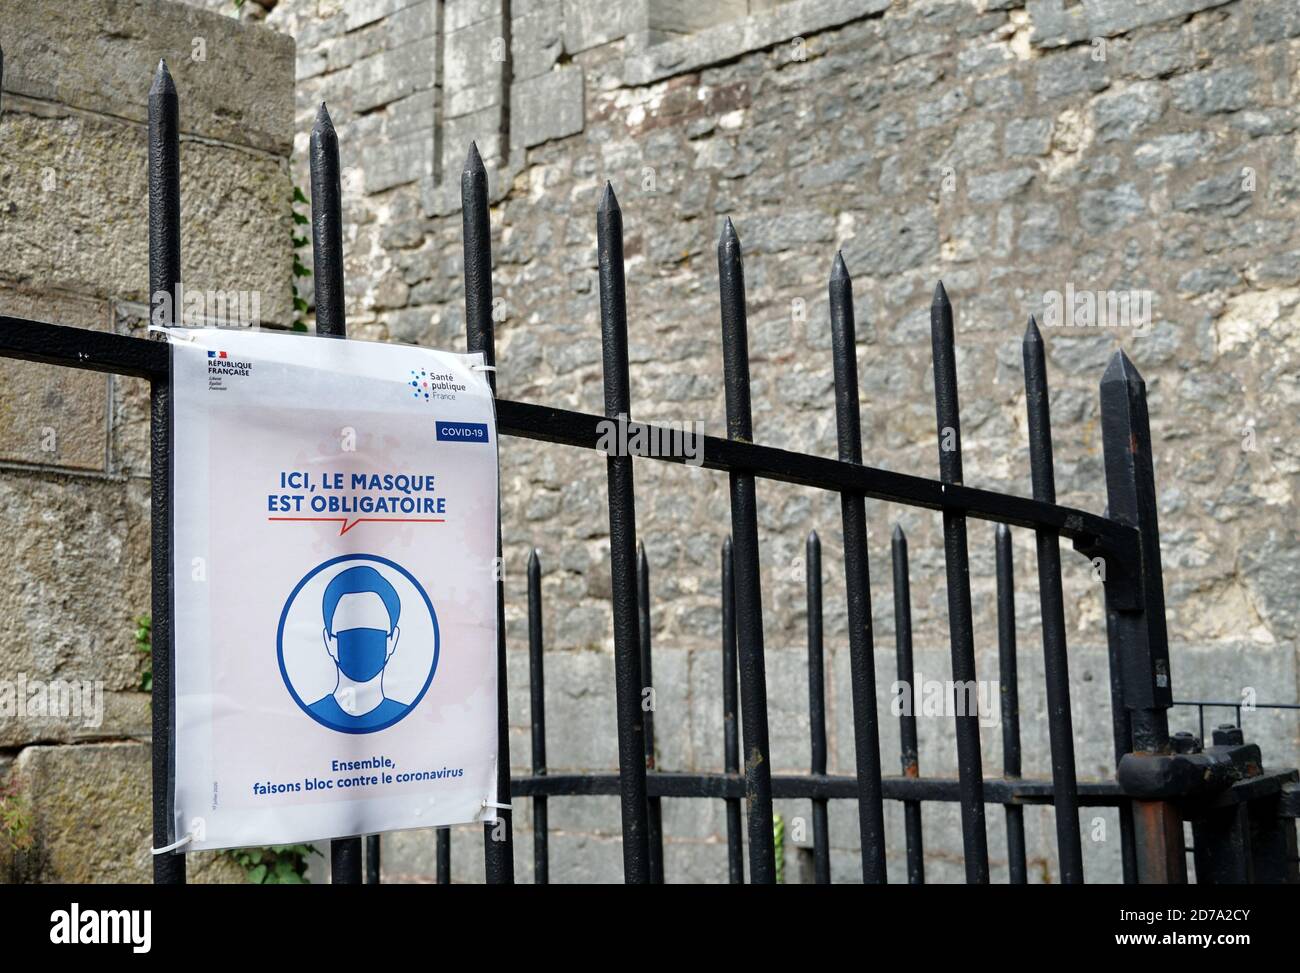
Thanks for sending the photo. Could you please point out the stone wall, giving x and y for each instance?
(74, 458)
(1014, 149)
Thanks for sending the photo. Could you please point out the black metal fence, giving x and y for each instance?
(1243, 817)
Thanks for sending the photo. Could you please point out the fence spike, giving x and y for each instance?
(654, 805)
(857, 580)
(748, 588)
(730, 707)
(608, 201)
(1130, 487)
(957, 562)
(630, 680)
(817, 704)
(908, 748)
(477, 232)
(1010, 698)
(327, 226)
(476, 235)
(537, 713)
(1056, 665)
(164, 165)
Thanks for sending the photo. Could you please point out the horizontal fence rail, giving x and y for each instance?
(1243, 818)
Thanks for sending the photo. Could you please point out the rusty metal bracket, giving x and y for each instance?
(1170, 776)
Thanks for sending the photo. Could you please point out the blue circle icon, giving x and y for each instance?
(358, 643)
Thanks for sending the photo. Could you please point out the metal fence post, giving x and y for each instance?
(164, 276)
(960, 623)
(628, 679)
(1136, 619)
(327, 255)
(498, 836)
(748, 589)
(857, 579)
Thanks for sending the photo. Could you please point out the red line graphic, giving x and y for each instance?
(349, 524)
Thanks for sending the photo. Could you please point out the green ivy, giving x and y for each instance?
(276, 865)
(299, 268)
(15, 819)
(778, 840)
(144, 643)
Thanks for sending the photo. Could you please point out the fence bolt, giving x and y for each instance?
(1184, 742)
(1228, 735)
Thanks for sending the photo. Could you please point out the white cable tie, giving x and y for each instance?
(483, 368)
(170, 332)
(504, 807)
(173, 846)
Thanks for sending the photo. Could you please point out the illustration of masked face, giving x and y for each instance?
(361, 643)
(362, 652)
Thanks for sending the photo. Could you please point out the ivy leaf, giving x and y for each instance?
(300, 219)
(258, 875)
(298, 197)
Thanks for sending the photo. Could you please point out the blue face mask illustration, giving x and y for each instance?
(362, 652)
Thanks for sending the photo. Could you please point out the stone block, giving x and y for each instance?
(588, 25)
(396, 160)
(94, 819)
(77, 579)
(474, 57)
(687, 16)
(49, 415)
(388, 76)
(465, 13)
(100, 56)
(547, 107)
(711, 45)
(536, 40)
(87, 233)
(1057, 22)
(360, 13)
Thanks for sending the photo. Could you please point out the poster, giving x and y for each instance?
(334, 588)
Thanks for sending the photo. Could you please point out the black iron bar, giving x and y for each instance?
(1056, 664)
(537, 708)
(629, 682)
(498, 836)
(809, 787)
(1137, 633)
(164, 276)
(960, 623)
(327, 226)
(857, 579)
(442, 844)
(53, 344)
(730, 714)
(1121, 738)
(327, 254)
(1010, 700)
(748, 589)
(372, 859)
(654, 810)
(817, 704)
(909, 750)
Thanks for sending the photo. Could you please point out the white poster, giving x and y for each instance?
(334, 559)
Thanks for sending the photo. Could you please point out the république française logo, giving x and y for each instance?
(219, 363)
